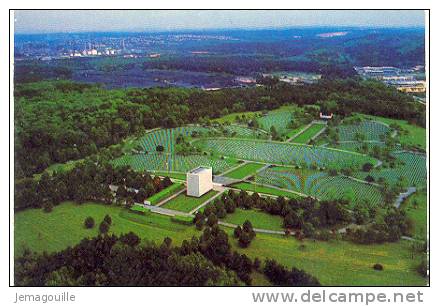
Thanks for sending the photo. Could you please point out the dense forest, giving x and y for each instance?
(87, 181)
(58, 121)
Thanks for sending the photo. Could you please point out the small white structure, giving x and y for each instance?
(199, 181)
(325, 116)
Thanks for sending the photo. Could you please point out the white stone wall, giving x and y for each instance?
(199, 183)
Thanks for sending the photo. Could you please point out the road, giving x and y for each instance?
(257, 230)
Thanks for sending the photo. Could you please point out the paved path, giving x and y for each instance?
(361, 181)
(165, 211)
(257, 230)
(283, 189)
(404, 195)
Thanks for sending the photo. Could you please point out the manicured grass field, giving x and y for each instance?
(244, 170)
(419, 213)
(167, 192)
(263, 189)
(333, 263)
(231, 118)
(64, 226)
(293, 132)
(259, 219)
(306, 136)
(184, 203)
(339, 263)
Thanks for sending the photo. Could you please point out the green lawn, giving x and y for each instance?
(231, 118)
(244, 170)
(64, 226)
(339, 263)
(416, 135)
(259, 219)
(333, 263)
(184, 203)
(417, 214)
(306, 136)
(293, 132)
(263, 189)
(165, 193)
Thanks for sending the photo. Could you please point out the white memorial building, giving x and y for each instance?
(199, 181)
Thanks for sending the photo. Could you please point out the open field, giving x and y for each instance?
(165, 193)
(244, 170)
(264, 189)
(259, 219)
(340, 263)
(334, 262)
(309, 133)
(417, 213)
(293, 132)
(231, 118)
(184, 203)
(64, 226)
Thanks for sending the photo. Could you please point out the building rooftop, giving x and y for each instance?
(199, 169)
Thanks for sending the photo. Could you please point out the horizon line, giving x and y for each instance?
(134, 31)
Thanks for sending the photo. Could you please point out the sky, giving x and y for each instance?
(69, 21)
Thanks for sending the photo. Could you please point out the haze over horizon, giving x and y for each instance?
(75, 21)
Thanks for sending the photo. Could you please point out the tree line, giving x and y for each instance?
(58, 121)
(307, 217)
(108, 260)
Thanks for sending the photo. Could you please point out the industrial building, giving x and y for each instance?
(199, 181)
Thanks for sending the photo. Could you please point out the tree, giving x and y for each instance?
(333, 172)
(378, 267)
(274, 133)
(369, 179)
(89, 222)
(212, 220)
(244, 239)
(237, 231)
(200, 223)
(47, 206)
(257, 264)
(104, 227)
(167, 241)
(129, 202)
(107, 219)
(166, 182)
(130, 239)
(159, 148)
(367, 167)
